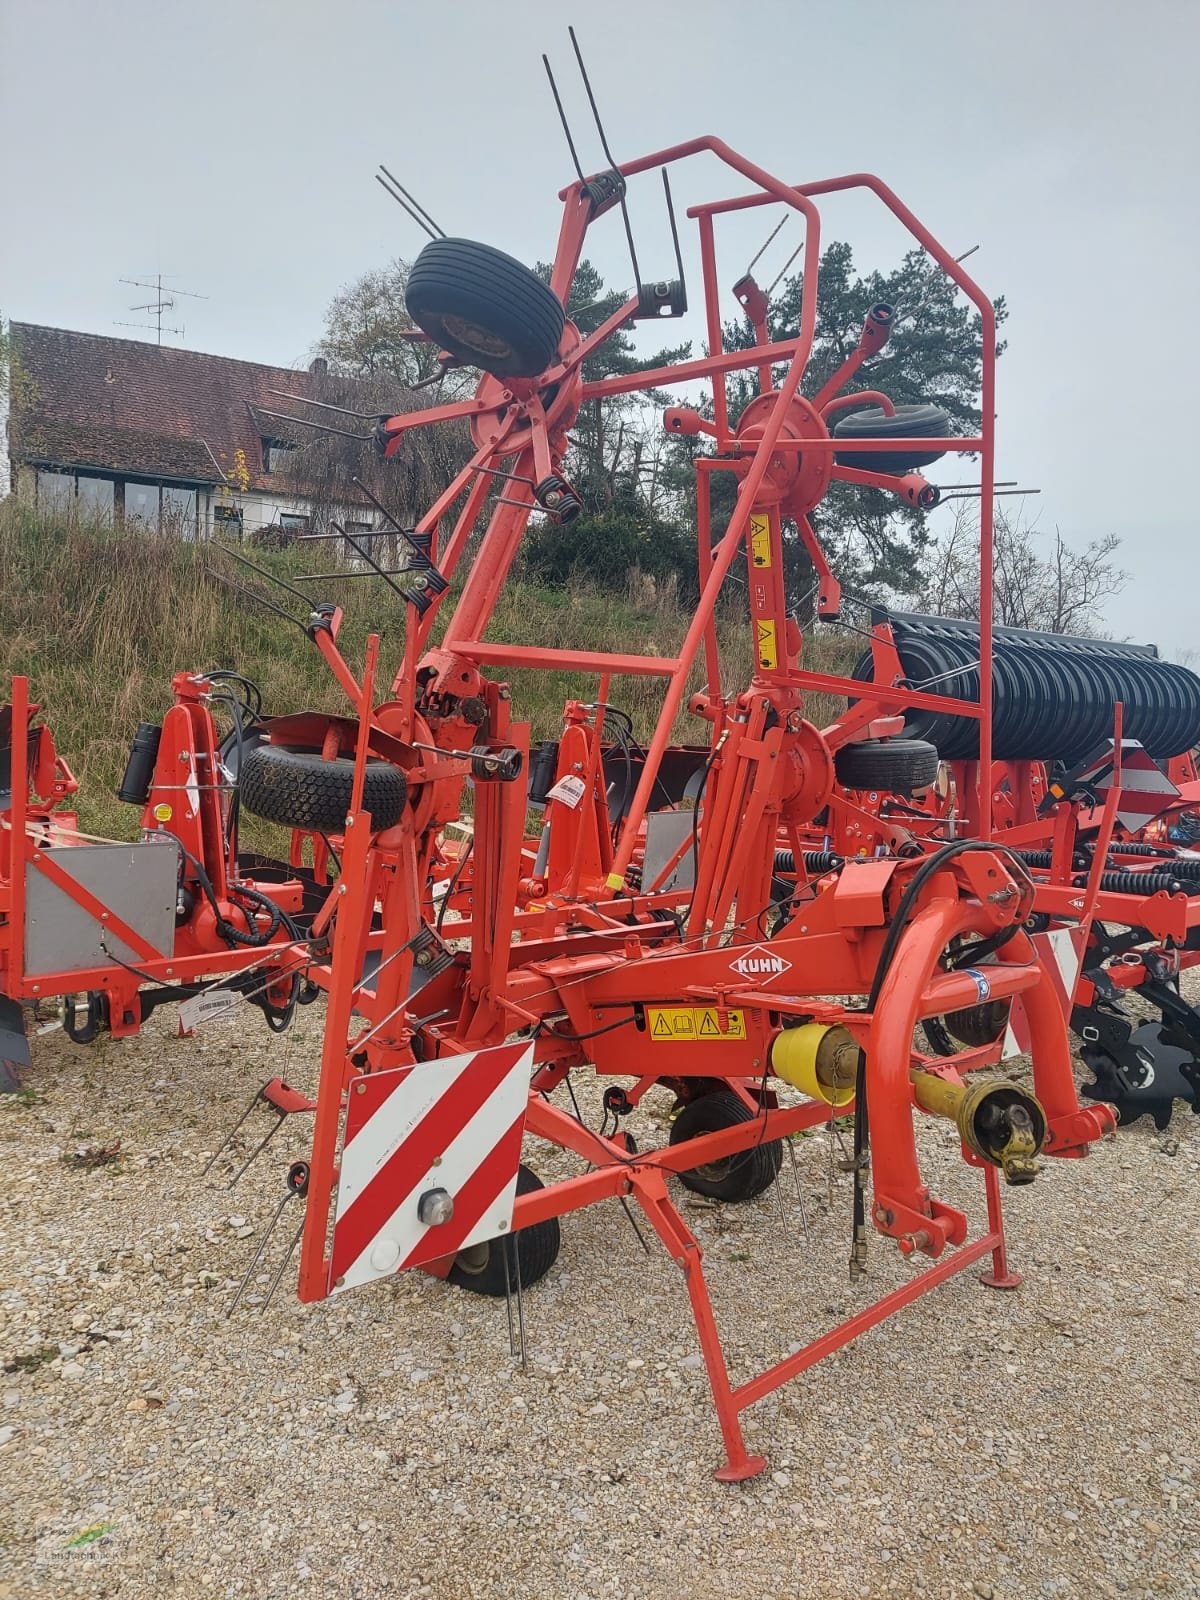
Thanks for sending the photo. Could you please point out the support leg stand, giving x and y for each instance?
(1000, 1277)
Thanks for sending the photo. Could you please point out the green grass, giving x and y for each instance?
(99, 619)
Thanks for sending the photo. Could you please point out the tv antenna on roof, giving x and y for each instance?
(161, 302)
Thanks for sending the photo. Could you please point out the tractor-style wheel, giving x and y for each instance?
(892, 766)
(740, 1176)
(301, 790)
(480, 1267)
(910, 422)
(485, 308)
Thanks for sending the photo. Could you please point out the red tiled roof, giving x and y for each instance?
(146, 409)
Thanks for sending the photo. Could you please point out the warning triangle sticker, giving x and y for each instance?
(661, 1028)
(708, 1025)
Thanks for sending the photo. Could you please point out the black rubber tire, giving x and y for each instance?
(741, 1176)
(910, 422)
(485, 308)
(976, 1026)
(301, 790)
(481, 1268)
(894, 766)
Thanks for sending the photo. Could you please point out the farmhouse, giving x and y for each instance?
(172, 439)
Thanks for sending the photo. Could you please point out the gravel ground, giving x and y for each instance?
(1045, 1442)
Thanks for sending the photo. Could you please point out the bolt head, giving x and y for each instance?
(435, 1207)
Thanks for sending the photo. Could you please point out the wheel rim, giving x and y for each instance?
(474, 1259)
(712, 1171)
(473, 337)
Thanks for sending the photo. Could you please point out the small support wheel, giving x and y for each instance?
(480, 1267)
(744, 1174)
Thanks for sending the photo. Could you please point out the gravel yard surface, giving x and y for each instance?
(1045, 1442)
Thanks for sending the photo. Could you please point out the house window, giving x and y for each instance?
(179, 511)
(227, 521)
(275, 454)
(141, 503)
(95, 497)
(292, 524)
(364, 537)
(55, 492)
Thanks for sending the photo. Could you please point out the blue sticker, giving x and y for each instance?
(983, 988)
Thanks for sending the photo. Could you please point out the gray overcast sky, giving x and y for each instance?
(232, 145)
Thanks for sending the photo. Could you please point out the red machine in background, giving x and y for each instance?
(116, 929)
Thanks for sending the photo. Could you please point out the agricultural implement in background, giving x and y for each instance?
(115, 929)
(679, 920)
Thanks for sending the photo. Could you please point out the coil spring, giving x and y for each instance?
(815, 862)
(1136, 883)
(1045, 858)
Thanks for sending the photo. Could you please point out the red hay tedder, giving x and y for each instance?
(983, 845)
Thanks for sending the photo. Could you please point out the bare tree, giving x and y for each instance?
(1059, 590)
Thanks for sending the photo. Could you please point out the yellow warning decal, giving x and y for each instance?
(760, 540)
(673, 1023)
(768, 652)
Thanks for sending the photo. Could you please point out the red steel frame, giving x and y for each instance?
(592, 948)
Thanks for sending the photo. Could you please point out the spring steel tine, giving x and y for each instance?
(349, 572)
(520, 1302)
(782, 223)
(240, 588)
(975, 494)
(380, 507)
(608, 155)
(278, 1278)
(270, 576)
(512, 477)
(675, 237)
(320, 427)
(512, 1342)
(258, 1254)
(779, 1204)
(262, 1145)
(641, 1238)
(325, 405)
(562, 117)
(228, 1139)
(392, 195)
(784, 268)
(365, 555)
(791, 1150)
(412, 199)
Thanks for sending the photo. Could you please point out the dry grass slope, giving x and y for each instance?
(100, 619)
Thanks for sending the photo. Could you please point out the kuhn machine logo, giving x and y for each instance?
(760, 963)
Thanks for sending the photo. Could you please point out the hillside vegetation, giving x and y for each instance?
(99, 619)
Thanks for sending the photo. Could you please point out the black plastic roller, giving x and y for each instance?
(1052, 694)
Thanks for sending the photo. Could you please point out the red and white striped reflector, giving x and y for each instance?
(454, 1124)
(1145, 791)
(1060, 951)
